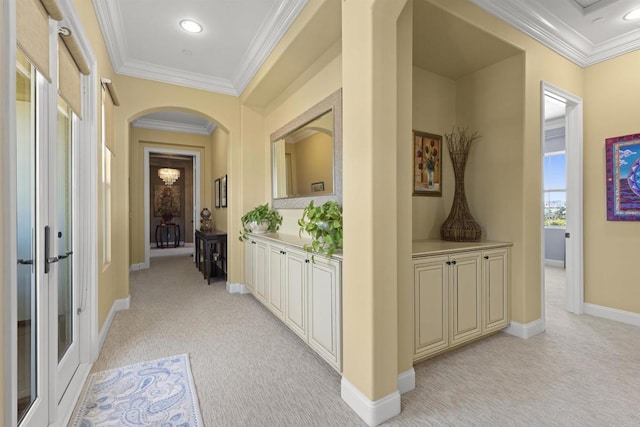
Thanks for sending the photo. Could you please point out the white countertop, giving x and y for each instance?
(290, 239)
(422, 248)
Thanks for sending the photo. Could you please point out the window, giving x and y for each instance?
(555, 189)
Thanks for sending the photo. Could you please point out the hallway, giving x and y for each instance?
(249, 369)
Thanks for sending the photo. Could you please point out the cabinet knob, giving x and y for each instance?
(448, 262)
(486, 257)
(453, 262)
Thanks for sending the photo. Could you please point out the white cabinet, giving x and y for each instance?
(276, 282)
(465, 297)
(255, 268)
(306, 295)
(296, 292)
(460, 293)
(495, 276)
(325, 309)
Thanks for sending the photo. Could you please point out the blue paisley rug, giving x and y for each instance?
(156, 393)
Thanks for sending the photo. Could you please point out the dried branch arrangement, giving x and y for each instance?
(460, 139)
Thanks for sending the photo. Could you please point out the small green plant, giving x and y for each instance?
(324, 225)
(258, 215)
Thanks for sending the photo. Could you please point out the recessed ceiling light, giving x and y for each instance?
(634, 14)
(190, 26)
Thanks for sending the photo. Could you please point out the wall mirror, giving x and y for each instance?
(306, 156)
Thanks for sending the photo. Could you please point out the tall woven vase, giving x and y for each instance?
(460, 225)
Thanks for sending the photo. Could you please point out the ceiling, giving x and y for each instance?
(144, 39)
(238, 36)
(584, 31)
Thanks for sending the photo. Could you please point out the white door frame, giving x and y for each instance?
(574, 296)
(147, 191)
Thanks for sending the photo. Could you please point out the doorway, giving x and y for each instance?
(166, 157)
(562, 237)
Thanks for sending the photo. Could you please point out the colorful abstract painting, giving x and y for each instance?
(623, 178)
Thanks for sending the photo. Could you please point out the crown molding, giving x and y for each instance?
(537, 22)
(266, 39)
(112, 30)
(275, 26)
(173, 126)
(160, 73)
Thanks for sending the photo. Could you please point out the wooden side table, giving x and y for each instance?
(166, 233)
(211, 253)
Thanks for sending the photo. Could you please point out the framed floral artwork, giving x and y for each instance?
(623, 178)
(427, 164)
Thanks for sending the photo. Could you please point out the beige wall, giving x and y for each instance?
(434, 111)
(219, 152)
(611, 109)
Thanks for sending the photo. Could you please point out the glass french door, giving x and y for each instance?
(47, 338)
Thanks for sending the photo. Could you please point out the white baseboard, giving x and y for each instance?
(136, 267)
(237, 288)
(371, 412)
(554, 263)
(119, 304)
(526, 331)
(627, 317)
(407, 381)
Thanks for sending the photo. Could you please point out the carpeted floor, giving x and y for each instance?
(583, 371)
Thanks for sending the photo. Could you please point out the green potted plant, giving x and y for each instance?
(324, 225)
(261, 219)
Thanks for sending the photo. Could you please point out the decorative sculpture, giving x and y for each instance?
(206, 223)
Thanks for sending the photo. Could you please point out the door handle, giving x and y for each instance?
(48, 260)
(67, 255)
(25, 261)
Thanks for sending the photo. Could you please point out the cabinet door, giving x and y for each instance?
(431, 296)
(296, 292)
(275, 288)
(260, 274)
(325, 321)
(249, 264)
(465, 297)
(495, 283)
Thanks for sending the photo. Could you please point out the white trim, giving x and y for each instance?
(627, 317)
(68, 403)
(536, 21)
(8, 271)
(407, 381)
(147, 191)
(554, 263)
(118, 305)
(371, 412)
(266, 40)
(237, 288)
(136, 267)
(169, 126)
(574, 245)
(526, 331)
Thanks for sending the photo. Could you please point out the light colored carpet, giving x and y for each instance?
(583, 371)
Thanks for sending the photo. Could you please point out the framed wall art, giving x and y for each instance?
(623, 178)
(317, 186)
(216, 192)
(427, 164)
(223, 191)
